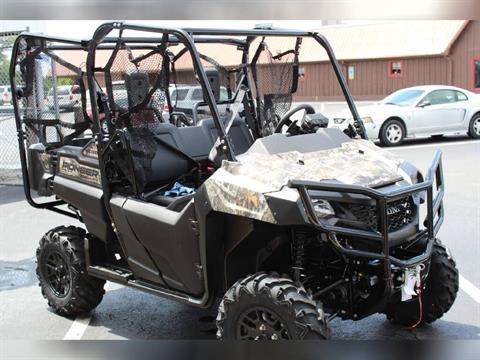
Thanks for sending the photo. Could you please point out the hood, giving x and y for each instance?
(239, 187)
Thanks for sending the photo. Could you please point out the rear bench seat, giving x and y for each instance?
(194, 141)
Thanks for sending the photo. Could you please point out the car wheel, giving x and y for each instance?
(392, 133)
(474, 128)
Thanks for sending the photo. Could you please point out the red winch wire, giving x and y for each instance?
(419, 294)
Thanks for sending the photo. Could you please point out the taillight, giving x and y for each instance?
(165, 107)
(71, 96)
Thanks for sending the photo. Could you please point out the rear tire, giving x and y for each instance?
(269, 307)
(61, 271)
(392, 133)
(438, 296)
(474, 127)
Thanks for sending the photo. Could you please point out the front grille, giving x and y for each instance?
(399, 214)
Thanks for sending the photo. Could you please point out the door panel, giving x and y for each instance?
(435, 119)
(138, 258)
(440, 111)
(171, 241)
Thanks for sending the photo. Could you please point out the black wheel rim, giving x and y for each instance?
(261, 324)
(57, 274)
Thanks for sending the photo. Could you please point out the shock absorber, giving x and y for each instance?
(298, 253)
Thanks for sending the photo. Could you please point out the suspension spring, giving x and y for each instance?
(298, 253)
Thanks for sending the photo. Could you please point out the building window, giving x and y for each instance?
(476, 74)
(351, 72)
(395, 69)
(301, 73)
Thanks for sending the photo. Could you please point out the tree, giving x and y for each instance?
(4, 69)
(6, 44)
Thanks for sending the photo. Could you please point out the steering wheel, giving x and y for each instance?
(285, 120)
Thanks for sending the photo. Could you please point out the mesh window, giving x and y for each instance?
(53, 102)
(139, 104)
(134, 82)
(275, 74)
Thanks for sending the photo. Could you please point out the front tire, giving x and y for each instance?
(392, 133)
(269, 307)
(61, 271)
(438, 296)
(474, 127)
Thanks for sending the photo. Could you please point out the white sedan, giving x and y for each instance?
(416, 112)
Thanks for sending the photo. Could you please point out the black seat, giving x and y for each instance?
(178, 149)
(239, 133)
(197, 141)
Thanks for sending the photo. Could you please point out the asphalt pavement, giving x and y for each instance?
(128, 314)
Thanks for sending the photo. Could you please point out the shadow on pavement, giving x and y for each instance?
(129, 314)
(429, 140)
(11, 193)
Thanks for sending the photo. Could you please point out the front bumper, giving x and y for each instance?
(433, 186)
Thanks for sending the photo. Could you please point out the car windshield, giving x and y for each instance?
(405, 97)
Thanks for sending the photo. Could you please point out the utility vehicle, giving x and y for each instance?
(286, 222)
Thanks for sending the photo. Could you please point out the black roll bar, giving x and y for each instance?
(21, 136)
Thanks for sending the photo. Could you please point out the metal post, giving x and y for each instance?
(39, 98)
(54, 87)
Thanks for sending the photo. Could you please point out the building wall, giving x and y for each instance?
(462, 53)
(373, 82)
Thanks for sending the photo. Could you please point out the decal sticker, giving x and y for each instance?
(73, 169)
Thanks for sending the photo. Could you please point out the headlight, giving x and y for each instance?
(367, 120)
(322, 208)
(339, 120)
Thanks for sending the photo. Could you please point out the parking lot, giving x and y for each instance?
(128, 314)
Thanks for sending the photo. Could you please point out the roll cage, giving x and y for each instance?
(190, 38)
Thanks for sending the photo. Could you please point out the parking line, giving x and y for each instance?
(80, 325)
(78, 328)
(469, 288)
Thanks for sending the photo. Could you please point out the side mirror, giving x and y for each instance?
(424, 103)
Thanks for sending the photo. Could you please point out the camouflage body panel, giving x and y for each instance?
(91, 150)
(240, 188)
(46, 160)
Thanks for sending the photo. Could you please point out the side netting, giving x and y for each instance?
(275, 75)
(10, 166)
(52, 94)
(136, 84)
